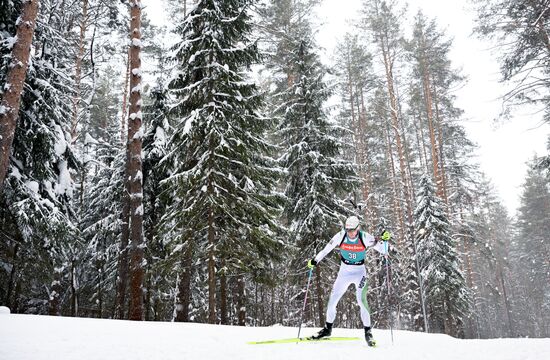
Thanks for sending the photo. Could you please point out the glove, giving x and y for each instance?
(386, 236)
(311, 263)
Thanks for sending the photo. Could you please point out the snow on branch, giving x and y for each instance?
(137, 88)
(137, 42)
(138, 115)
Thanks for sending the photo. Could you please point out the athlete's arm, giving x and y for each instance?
(334, 242)
(370, 241)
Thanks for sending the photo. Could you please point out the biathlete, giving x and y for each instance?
(353, 244)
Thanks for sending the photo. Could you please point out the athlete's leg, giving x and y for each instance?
(361, 293)
(340, 286)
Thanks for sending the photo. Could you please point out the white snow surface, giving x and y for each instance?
(26, 337)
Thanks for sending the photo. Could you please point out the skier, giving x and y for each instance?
(353, 243)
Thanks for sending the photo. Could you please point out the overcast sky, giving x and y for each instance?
(503, 148)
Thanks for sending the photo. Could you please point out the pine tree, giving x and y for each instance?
(429, 54)
(447, 297)
(134, 177)
(354, 64)
(382, 21)
(222, 179)
(520, 30)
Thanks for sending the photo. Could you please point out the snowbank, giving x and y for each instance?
(4, 310)
(44, 337)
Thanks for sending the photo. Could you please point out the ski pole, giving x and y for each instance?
(388, 283)
(305, 301)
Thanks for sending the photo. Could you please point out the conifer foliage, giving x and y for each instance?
(531, 250)
(318, 179)
(213, 222)
(443, 283)
(222, 177)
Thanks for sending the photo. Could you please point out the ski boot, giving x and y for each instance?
(326, 331)
(368, 337)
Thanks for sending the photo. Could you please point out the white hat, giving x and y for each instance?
(352, 223)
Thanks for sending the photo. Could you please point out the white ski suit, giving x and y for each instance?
(352, 270)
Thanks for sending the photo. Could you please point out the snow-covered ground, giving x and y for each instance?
(60, 338)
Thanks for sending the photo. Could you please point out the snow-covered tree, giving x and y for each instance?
(447, 298)
(318, 179)
(20, 43)
(532, 252)
(101, 220)
(223, 180)
(519, 29)
(356, 82)
(154, 172)
(38, 189)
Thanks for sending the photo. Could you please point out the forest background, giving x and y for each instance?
(199, 193)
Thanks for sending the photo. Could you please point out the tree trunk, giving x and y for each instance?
(74, 290)
(428, 102)
(123, 133)
(443, 176)
(184, 285)
(365, 163)
(272, 319)
(135, 176)
(211, 243)
(417, 122)
(78, 69)
(122, 279)
(397, 213)
(13, 271)
(397, 132)
(55, 293)
(404, 175)
(223, 296)
(506, 303)
(15, 79)
(101, 271)
(240, 301)
(211, 270)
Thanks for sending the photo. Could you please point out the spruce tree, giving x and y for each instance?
(532, 251)
(36, 200)
(447, 297)
(318, 179)
(222, 178)
(101, 222)
(154, 172)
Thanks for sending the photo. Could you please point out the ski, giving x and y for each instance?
(297, 340)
